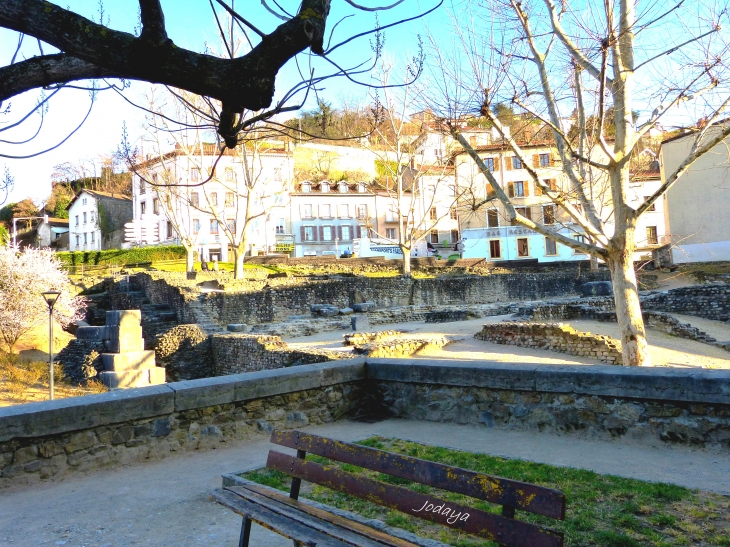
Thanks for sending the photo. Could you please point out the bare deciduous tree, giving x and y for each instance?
(629, 65)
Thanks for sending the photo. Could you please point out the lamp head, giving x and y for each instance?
(50, 297)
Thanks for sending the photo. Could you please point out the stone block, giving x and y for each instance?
(346, 311)
(134, 360)
(596, 288)
(125, 378)
(360, 323)
(157, 376)
(125, 344)
(92, 333)
(237, 327)
(123, 318)
(124, 332)
(363, 307)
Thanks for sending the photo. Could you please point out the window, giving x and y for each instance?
(346, 233)
(515, 162)
(232, 226)
(327, 233)
(83, 200)
(433, 214)
(493, 218)
(342, 187)
(581, 239)
(551, 248)
(230, 175)
(362, 212)
(85, 235)
(361, 188)
(548, 214)
(169, 230)
(155, 206)
(78, 240)
(523, 248)
(92, 236)
(324, 187)
(306, 187)
(196, 225)
(344, 210)
(652, 207)
(308, 233)
(307, 211)
(77, 220)
(154, 178)
(195, 199)
(93, 217)
(524, 211)
(390, 233)
(544, 160)
(213, 226)
(489, 162)
(214, 199)
(325, 211)
(452, 214)
(142, 186)
(84, 217)
(390, 215)
(454, 236)
(472, 140)
(550, 183)
(142, 209)
(434, 237)
(195, 174)
(495, 248)
(229, 199)
(651, 235)
(280, 226)
(518, 189)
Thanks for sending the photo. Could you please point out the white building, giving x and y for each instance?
(96, 219)
(183, 201)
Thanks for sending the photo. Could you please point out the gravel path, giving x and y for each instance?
(166, 503)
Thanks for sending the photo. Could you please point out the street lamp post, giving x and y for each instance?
(50, 297)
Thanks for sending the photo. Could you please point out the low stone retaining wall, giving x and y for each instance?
(46, 440)
(652, 405)
(399, 346)
(237, 353)
(362, 338)
(448, 316)
(708, 301)
(554, 337)
(185, 352)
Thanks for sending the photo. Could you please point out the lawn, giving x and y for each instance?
(602, 510)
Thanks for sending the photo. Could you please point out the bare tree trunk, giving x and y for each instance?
(628, 309)
(406, 262)
(238, 257)
(189, 259)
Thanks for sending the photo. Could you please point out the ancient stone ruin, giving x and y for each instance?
(126, 363)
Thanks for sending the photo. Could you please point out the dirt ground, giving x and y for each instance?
(665, 350)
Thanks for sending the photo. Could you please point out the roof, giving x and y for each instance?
(100, 195)
(691, 131)
(645, 174)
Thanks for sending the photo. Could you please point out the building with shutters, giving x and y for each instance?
(96, 220)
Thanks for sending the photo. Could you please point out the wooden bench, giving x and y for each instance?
(310, 525)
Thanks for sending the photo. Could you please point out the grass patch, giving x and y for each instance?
(602, 510)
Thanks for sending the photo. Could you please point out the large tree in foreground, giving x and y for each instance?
(618, 68)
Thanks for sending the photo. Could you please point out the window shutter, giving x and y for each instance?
(553, 185)
(358, 232)
(536, 160)
(528, 213)
(508, 163)
(526, 186)
(496, 163)
(321, 233)
(302, 229)
(552, 160)
(538, 190)
(511, 190)
(339, 233)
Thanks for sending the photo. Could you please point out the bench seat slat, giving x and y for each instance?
(505, 531)
(276, 523)
(321, 514)
(519, 495)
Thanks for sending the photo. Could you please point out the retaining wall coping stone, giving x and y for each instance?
(75, 413)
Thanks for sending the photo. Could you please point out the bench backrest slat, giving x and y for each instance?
(505, 531)
(519, 495)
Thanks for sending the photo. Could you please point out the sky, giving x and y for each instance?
(190, 24)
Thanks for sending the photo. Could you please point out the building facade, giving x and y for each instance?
(96, 220)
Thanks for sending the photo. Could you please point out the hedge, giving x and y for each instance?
(120, 257)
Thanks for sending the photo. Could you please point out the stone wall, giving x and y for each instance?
(236, 353)
(647, 406)
(185, 352)
(708, 301)
(48, 440)
(554, 337)
(277, 299)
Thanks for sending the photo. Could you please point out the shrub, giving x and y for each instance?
(121, 257)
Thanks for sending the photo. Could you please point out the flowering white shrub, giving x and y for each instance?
(24, 275)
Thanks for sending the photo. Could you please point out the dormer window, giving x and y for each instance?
(324, 187)
(361, 188)
(343, 187)
(306, 187)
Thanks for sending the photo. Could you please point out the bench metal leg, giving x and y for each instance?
(245, 532)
